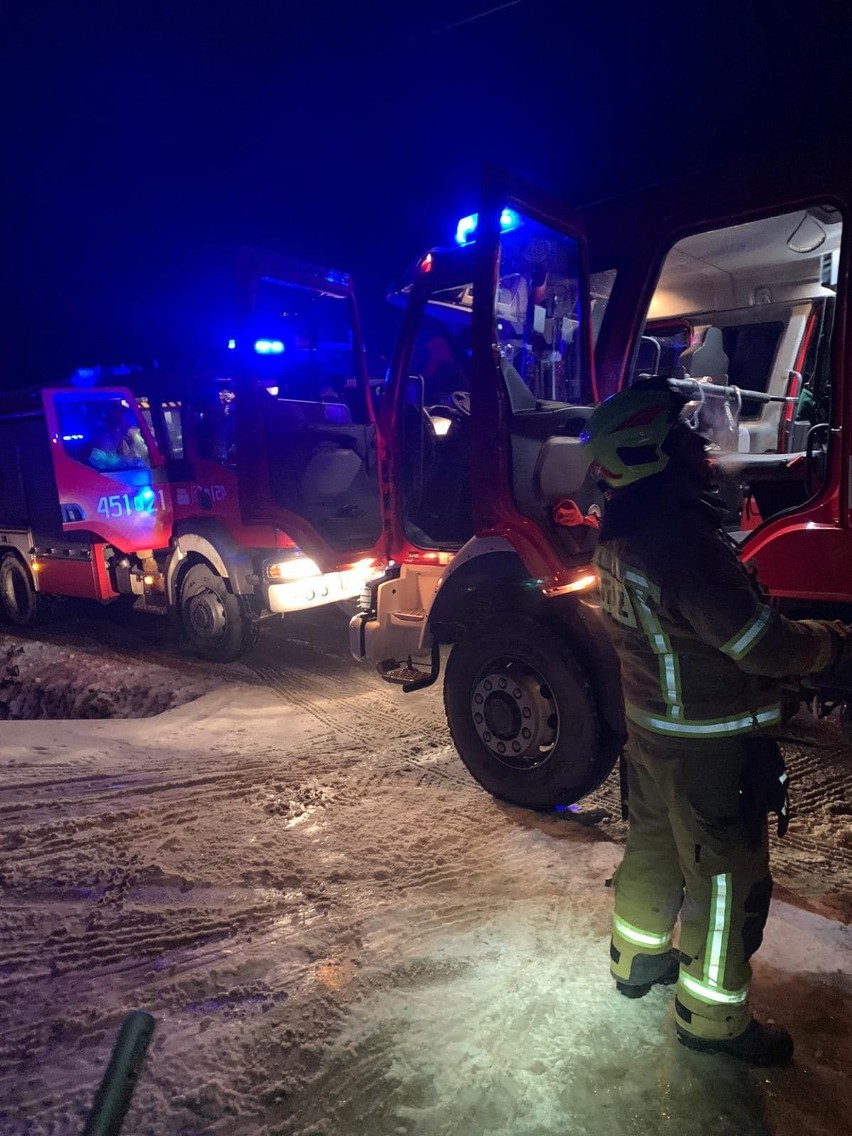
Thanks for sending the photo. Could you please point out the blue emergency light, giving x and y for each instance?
(466, 228)
(269, 346)
(341, 278)
(85, 376)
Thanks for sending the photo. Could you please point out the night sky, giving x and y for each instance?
(141, 142)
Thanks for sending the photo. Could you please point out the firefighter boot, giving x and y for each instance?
(647, 971)
(736, 1034)
(759, 1044)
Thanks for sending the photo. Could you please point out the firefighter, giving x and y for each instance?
(119, 443)
(702, 657)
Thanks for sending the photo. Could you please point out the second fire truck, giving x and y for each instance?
(217, 500)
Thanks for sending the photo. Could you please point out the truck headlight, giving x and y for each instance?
(294, 568)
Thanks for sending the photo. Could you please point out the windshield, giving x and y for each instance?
(304, 346)
(538, 317)
(102, 431)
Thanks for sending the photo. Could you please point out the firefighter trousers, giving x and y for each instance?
(692, 851)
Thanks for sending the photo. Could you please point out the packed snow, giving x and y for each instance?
(336, 931)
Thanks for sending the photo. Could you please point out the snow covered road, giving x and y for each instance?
(337, 932)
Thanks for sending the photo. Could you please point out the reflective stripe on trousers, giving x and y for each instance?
(637, 936)
(709, 987)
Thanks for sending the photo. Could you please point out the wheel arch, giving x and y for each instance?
(209, 541)
(11, 550)
(486, 573)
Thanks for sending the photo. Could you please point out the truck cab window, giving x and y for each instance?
(660, 348)
(537, 315)
(600, 290)
(102, 432)
(171, 412)
(304, 352)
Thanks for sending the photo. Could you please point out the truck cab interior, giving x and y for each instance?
(751, 306)
(435, 419)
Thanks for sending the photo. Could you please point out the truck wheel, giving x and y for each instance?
(523, 718)
(20, 603)
(211, 617)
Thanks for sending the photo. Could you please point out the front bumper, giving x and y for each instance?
(392, 622)
(315, 591)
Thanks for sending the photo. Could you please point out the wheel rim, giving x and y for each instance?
(207, 618)
(515, 713)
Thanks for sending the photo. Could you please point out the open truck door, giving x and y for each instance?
(534, 386)
(305, 435)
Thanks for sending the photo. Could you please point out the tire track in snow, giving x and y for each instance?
(420, 746)
(57, 848)
(404, 859)
(310, 692)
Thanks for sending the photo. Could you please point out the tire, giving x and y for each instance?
(523, 718)
(211, 617)
(20, 603)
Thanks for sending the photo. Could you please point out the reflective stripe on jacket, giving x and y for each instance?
(701, 650)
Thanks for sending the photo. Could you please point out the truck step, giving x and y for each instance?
(415, 615)
(409, 675)
(400, 674)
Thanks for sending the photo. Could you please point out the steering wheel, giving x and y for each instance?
(461, 401)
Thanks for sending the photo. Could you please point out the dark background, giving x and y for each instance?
(141, 142)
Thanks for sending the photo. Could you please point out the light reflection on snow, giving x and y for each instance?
(301, 817)
(514, 1029)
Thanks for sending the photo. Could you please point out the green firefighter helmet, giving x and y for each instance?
(625, 434)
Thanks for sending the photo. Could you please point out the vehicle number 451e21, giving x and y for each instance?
(125, 504)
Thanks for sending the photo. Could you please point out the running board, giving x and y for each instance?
(409, 675)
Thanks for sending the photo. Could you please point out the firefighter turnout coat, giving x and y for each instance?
(701, 649)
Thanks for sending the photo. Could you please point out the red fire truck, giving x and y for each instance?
(738, 278)
(218, 500)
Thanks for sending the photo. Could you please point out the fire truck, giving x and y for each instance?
(217, 498)
(736, 283)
